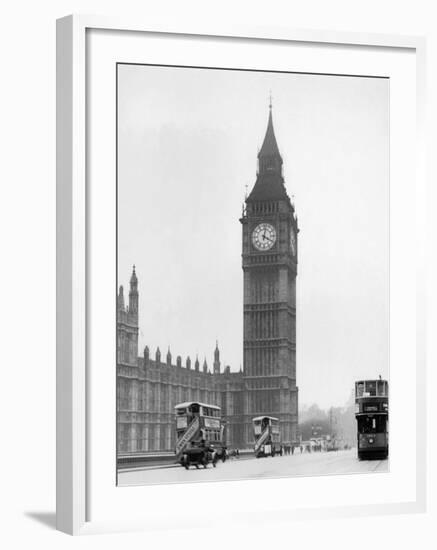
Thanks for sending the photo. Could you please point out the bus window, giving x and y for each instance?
(371, 388)
(381, 387)
(371, 425)
(365, 425)
(360, 389)
(194, 408)
(381, 423)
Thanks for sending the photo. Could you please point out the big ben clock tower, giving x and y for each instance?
(269, 256)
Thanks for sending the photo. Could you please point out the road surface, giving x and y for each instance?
(307, 464)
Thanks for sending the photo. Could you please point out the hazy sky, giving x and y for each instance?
(188, 140)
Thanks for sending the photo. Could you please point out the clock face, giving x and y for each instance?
(264, 236)
(292, 242)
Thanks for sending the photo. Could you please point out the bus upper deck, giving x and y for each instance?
(371, 396)
(371, 388)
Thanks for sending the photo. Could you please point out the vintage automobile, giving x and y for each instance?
(198, 455)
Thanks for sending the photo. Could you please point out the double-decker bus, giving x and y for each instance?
(266, 434)
(198, 423)
(371, 412)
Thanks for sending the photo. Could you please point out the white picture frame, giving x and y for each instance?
(74, 464)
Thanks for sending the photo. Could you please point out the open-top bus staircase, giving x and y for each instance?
(262, 438)
(183, 441)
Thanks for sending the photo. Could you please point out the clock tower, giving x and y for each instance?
(270, 229)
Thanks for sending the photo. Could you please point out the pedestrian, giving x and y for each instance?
(224, 452)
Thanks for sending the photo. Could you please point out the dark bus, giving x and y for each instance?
(371, 412)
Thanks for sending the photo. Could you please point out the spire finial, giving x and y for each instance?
(270, 100)
(133, 280)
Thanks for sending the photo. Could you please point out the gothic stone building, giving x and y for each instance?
(148, 389)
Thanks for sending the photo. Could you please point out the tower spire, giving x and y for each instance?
(269, 148)
(269, 183)
(216, 364)
(121, 307)
(133, 293)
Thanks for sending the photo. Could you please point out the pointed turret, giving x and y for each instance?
(133, 293)
(205, 366)
(158, 356)
(127, 326)
(133, 278)
(196, 364)
(120, 300)
(216, 365)
(168, 357)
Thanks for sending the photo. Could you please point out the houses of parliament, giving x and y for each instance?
(149, 386)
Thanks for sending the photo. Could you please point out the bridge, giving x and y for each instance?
(249, 467)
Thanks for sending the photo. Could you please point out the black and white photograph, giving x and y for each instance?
(252, 274)
(218, 272)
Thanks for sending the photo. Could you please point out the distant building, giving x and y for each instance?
(148, 389)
